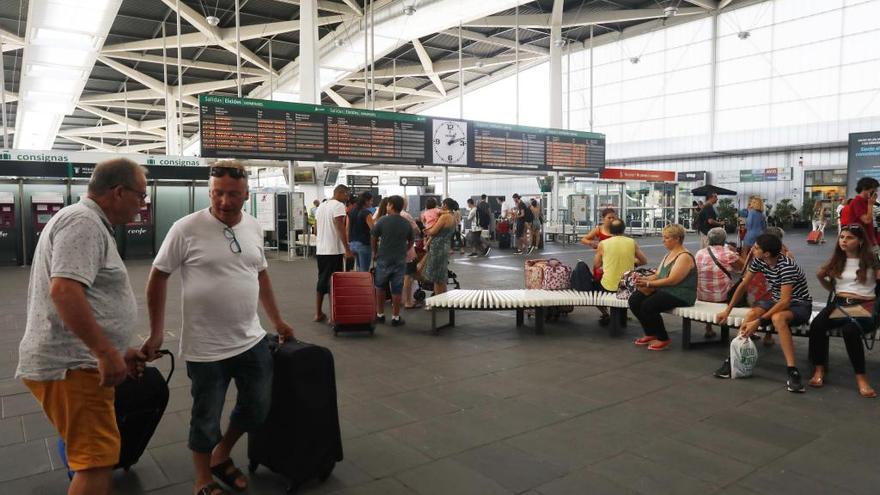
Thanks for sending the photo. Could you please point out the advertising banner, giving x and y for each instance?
(863, 160)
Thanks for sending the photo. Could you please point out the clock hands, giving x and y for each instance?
(454, 140)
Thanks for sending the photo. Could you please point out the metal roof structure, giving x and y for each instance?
(122, 106)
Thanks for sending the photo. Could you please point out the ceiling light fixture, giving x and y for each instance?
(213, 20)
(743, 35)
(409, 10)
(559, 43)
(634, 60)
(670, 11)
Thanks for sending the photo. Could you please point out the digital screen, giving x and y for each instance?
(376, 139)
(304, 175)
(331, 175)
(7, 209)
(44, 218)
(863, 159)
(535, 148)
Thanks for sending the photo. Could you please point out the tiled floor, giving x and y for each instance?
(488, 408)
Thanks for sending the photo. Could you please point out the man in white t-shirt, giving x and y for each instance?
(219, 252)
(332, 243)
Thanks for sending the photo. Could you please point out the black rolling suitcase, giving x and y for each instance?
(300, 438)
(140, 404)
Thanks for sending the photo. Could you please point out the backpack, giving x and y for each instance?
(582, 277)
(484, 217)
(528, 216)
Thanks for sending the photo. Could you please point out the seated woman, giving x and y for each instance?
(716, 265)
(602, 231)
(674, 285)
(852, 275)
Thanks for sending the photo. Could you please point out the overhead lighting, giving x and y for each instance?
(409, 10)
(559, 43)
(743, 35)
(64, 38)
(212, 20)
(670, 11)
(634, 60)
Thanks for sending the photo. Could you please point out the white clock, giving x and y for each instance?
(449, 144)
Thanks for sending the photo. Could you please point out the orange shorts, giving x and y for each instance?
(84, 415)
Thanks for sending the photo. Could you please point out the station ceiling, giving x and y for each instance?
(120, 92)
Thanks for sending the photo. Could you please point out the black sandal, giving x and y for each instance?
(222, 473)
(211, 489)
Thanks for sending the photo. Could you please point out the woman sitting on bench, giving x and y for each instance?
(673, 286)
(851, 275)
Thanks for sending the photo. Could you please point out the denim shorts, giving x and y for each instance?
(802, 310)
(252, 372)
(390, 272)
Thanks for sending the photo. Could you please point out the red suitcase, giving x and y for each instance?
(814, 237)
(352, 302)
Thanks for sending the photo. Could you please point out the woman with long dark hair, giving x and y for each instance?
(851, 275)
(360, 221)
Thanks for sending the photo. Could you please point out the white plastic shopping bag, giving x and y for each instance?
(743, 357)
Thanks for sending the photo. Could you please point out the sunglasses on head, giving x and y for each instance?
(853, 226)
(235, 173)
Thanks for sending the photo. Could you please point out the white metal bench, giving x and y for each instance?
(521, 300)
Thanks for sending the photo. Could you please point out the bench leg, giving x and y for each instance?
(539, 320)
(685, 333)
(520, 317)
(435, 329)
(618, 321)
(451, 317)
(725, 334)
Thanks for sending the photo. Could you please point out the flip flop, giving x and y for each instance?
(817, 383)
(322, 317)
(211, 489)
(868, 393)
(221, 472)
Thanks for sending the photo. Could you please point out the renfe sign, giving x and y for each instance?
(632, 174)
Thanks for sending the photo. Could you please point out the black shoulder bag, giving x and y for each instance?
(742, 302)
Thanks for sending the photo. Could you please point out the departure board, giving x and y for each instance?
(364, 136)
(574, 151)
(246, 128)
(507, 146)
(240, 128)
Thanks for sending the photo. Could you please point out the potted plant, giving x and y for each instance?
(784, 212)
(728, 213)
(807, 211)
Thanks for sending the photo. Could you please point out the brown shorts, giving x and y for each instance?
(84, 415)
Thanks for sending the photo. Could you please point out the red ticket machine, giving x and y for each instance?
(44, 206)
(10, 246)
(137, 236)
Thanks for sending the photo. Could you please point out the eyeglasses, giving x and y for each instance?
(142, 195)
(234, 246)
(235, 173)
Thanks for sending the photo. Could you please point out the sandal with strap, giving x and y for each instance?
(229, 477)
(212, 489)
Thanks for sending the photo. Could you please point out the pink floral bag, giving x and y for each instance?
(557, 276)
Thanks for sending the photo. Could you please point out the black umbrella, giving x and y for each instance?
(710, 189)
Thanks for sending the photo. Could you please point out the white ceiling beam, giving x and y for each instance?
(706, 4)
(131, 136)
(428, 66)
(447, 66)
(10, 96)
(390, 88)
(575, 19)
(199, 22)
(206, 87)
(335, 7)
(137, 148)
(140, 94)
(11, 41)
(189, 64)
(724, 3)
(352, 5)
(146, 124)
(133, 125)
(144, 107)
(337, 98)
(523, 21)
(475, 36)
(90, 143)
(385, 104)
(155, 85)
(266, 30)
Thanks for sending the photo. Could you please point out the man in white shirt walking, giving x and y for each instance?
(219, 252)
(332, 243)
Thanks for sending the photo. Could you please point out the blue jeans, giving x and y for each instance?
(252, 372)
(363, 253)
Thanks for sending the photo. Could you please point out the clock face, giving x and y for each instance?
(449, 144)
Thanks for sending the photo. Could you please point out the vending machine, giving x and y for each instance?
(136, 238)
(10, 247)
(44, 206)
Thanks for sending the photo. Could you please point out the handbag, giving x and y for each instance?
(742, 303)
(852, 311)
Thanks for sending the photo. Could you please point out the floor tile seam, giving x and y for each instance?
(843, 490)
(717, 486)
(47, 452)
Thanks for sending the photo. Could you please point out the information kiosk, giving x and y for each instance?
(10, 247)
(44, 206)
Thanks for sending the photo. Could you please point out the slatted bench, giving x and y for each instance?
(521, 300)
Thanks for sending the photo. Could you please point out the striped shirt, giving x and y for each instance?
(786, 272)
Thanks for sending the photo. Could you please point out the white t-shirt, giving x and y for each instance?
(849, 280)
(329, 241)
(220, 289)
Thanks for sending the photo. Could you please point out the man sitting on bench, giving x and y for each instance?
(790, 304)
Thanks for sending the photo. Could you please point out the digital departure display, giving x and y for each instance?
(245, 128)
